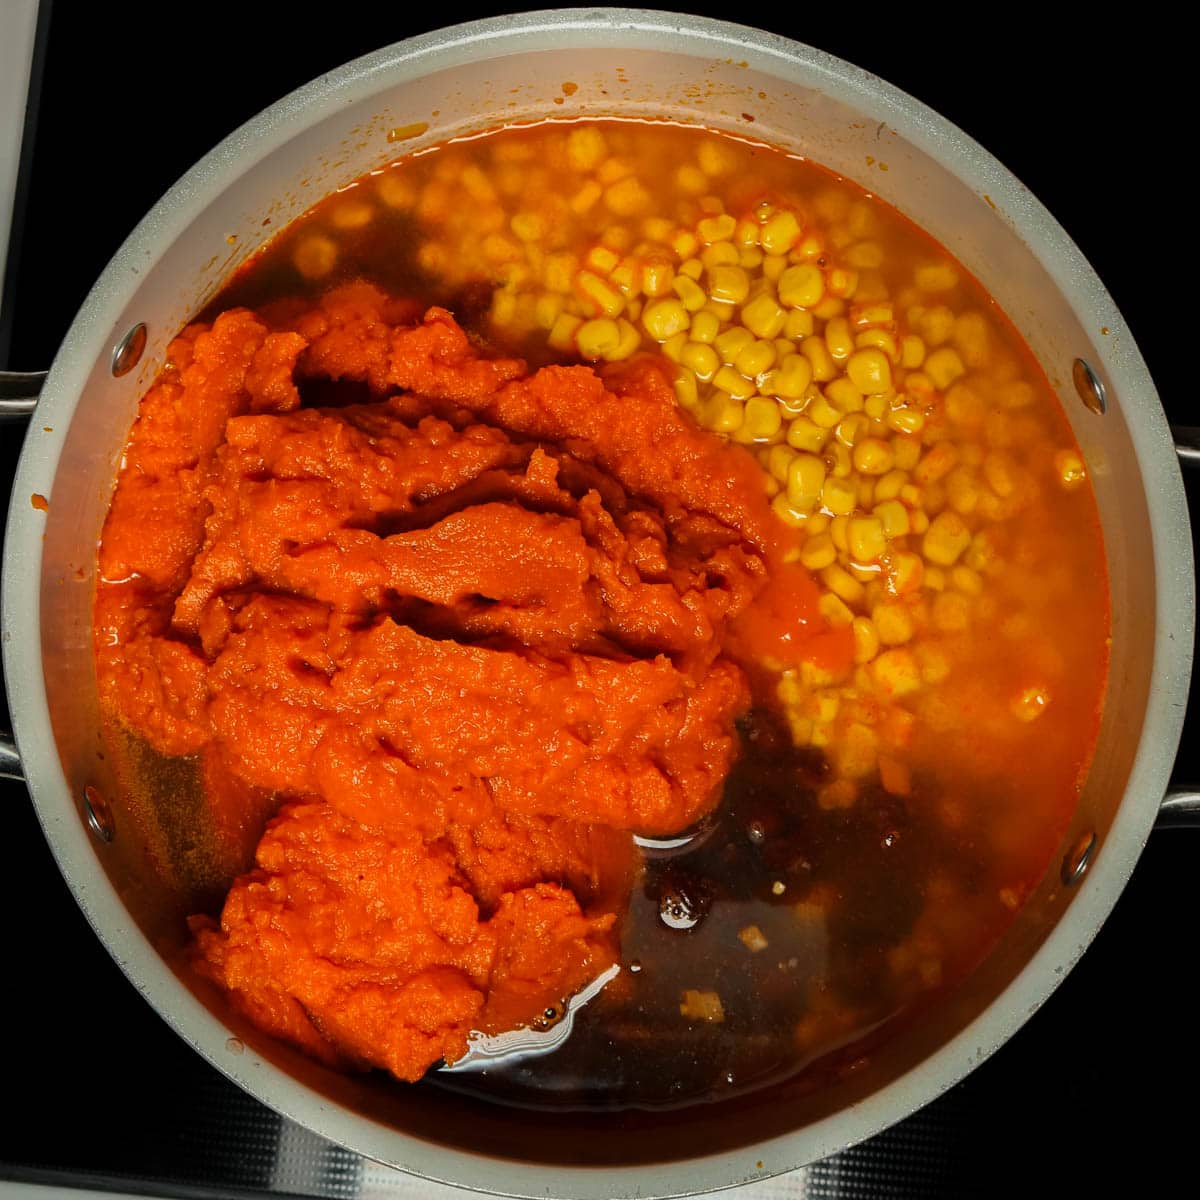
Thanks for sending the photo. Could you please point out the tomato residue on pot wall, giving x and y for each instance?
(465, 623)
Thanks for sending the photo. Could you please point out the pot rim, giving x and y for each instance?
(88, 338)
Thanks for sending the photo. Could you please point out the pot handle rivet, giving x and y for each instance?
(1088, 385)
(1076, 861)
(128, 351)
(97, 814)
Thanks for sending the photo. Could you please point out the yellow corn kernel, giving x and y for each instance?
(790, 379)
(842, 584)
(834, 610)
(912, 351)
(934, 664)
(945, 539)
(821, 411)
(528, 226)
(936, 277)
(798, 324)
(585, 148)
(963, 491)
(944, 367)
(966, 580)
(779, 461)
(719, 254)
(316, 256)
(866, 639)
(763, 317)
(936, 325)
(691, 294)
(562, 332)
(730, 379)
(879, 339)
(732, 342)
(906, 420)
(936, 463)
(839, 339)
(755, 359)
(716, 157)
(597, 339)
(818, 552)
(895, 673)
(558, 271)
(1069, 468)
(935, 579)
(873, 456)
(877, 315)
(701, 359)
(865, 538)
(627, 197)
(693, 268)
(907, 451)
(705, 327)
(951, 612)
(697, 1005)
(780, 233)
(761, 420)
(865, 255)
(630, 341)
(893, 516)
(596, 291)
(920, 522)
(876, 406)
(893, 622)
(585, 198)
(786, 513)
(687, 394)
(1000, 473)
(746, 234)
(972, 339)
(396, 190)
(546, 310)
(906, 573)
(721, 413)
(718, 228)
(618, 238)
(657, 229)
(626, 277)
(657, 277)
(823, 367)
(887, 487)
(869, 370)
(837, 531)
(837, 459)
(806, 435)
(773, 266)
(1017, 394)
(852, 427)
(806, 478)
(665, 318)
(691, 180)
(750, 258)
(843, 395)
(728, 283)
(842, 283)
(612, 169)
(838, 496)
(673, 346)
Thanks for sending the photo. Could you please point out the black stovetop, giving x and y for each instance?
(1098, 1082)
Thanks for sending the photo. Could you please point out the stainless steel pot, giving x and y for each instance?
(461, 80)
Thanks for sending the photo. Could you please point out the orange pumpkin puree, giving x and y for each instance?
(463, 637)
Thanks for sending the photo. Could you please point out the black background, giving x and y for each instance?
(1102, 1080)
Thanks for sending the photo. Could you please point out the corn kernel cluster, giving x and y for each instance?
(893, 429)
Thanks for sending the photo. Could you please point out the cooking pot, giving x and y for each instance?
(459, 81)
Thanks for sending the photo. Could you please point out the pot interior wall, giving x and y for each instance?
(801, 108)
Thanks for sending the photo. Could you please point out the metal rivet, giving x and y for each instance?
(97, 813)
(1089, 387)
(128, 351)
(1075, 862)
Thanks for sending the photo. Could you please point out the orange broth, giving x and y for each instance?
(780, 574)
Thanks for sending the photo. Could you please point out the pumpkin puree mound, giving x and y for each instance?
(463, 635)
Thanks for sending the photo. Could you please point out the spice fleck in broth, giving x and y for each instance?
(743, 645)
